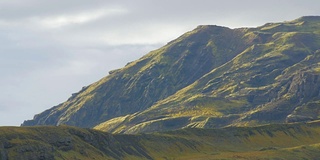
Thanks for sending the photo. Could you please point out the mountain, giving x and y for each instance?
(210, 77)
(278, 141)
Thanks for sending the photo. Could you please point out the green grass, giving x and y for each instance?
(284, 141)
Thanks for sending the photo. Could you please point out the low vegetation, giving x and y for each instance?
(278, 141)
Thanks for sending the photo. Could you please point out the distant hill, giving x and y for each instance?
(210, 77)
(280, 141)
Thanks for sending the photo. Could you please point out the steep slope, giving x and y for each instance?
(275, 80)
(141, 83)
(210, 77)
(286, 141)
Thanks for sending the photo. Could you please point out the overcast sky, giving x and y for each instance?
(50, 49)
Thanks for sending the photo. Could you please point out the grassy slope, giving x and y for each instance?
(250, 89)
(141, 83)
(287, 141)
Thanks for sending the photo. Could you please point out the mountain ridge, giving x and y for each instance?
(153, 56)
(209, 77)
(276, 141)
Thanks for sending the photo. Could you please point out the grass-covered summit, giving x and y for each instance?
(210, 77)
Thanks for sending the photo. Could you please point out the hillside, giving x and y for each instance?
(286, 141)
(210, 77)
(141, 83)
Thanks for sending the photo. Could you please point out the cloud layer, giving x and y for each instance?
(50, 49)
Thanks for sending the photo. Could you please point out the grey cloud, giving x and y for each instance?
(19, 9)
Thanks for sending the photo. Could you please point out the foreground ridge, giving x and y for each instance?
(286, 141)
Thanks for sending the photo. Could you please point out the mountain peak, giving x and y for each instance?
(309, 18)
(210, 27)
(210, 77)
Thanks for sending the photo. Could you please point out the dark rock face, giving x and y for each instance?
(26, 151)
(305, 85)
(35, 152)
(300, 90)
(3, 146)
(209, 77)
